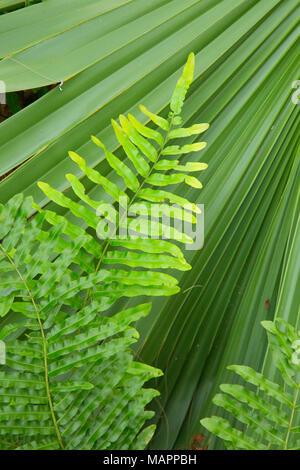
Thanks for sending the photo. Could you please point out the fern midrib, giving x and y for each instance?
(47, 383)
(9, 444)
(130, 203)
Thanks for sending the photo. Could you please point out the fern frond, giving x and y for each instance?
(66, 363)
(271, 415)
(144, 147)
(69, 380)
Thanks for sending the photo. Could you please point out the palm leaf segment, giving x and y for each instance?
(69, 380)
(272, 414)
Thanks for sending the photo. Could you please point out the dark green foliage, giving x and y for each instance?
(271, 414)
(69, 380)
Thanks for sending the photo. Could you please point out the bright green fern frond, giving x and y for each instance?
(69, 380)
(271, 413)
(138, 215)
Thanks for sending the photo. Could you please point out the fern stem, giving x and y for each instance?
(130, 203)
(44, 348)
(291, 420)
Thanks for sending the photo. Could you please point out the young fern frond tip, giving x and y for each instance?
(70, 381)
(272, 413)
(183, 84)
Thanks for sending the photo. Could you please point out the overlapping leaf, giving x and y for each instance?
(59, 386)
(70, 367)
(269, 425)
